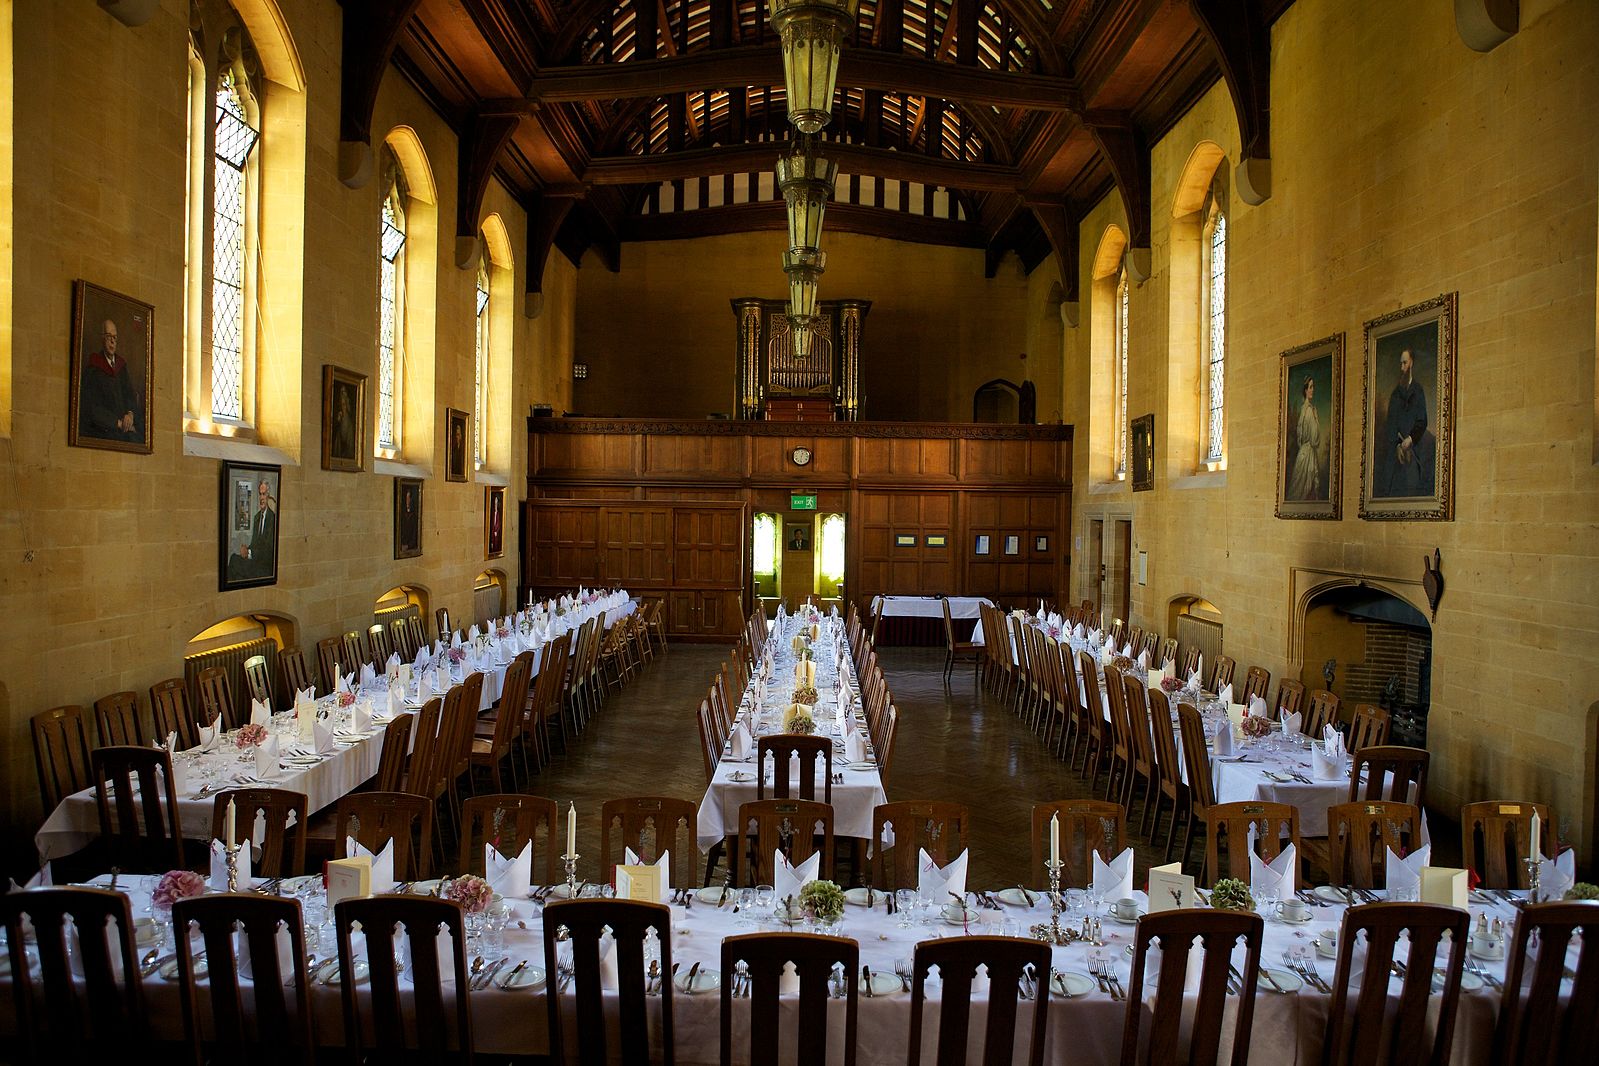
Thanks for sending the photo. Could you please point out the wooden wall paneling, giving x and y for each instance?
(668, 456)
(708, 546)
(636, 546)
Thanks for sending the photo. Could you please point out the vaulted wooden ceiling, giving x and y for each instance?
(1030, 110)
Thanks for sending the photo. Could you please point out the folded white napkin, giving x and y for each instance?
(424, 687)
(1114, 880)
(663, 864)
(340, 682)
(211, 735)
(260, 712)
(1273, 880)
(1404, 874)
(392, 664)
(42, 879)
(610, 980)
(305, 695)
(1143, 660)
(368, 675)
(361, 716)
(1257, 707)
(1193, 679)
(349, 682)
(1224, 739)
(1169, 668)
(266, 759)
(382, 863)
(936, 883)
(788, 879)
(1557, 875)
(1127, 650)
(473, 634)
(219, 867)
(511, 878)
(1326, 765)
(1293, 723)
(1077, 631)
(1226, 693)
(855, 747)
(321, 738)
(740, 743)
(422, 656)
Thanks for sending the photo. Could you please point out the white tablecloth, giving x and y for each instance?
(927, 606)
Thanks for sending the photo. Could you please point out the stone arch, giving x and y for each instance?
(269, 30)
(413, 159)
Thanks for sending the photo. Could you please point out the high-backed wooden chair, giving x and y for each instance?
(1323, 712)
(372, 819)
(329, 656)
(782, 749)
(462, 731)
(934, 825)
(280, 852)
(138, 808)
(391, 758)
(1168, 653)
(1360, 835)
(216, 698)
(1086, 827)
(797, 828)
(296, 675)
(510, 822)
(61, 752)
(1222, 675)
(1201, 785)
(1008, 961)
(1539, 1025)
(1392, 772)
(710, 740)
(424, 1014)
(1257, 683)
(1422, 1028)
(257, 680)
(377, 642)
(170, 712)
(885, 751)
(1170, 784)
(58, 1017)
(1190, 661)
(955, 650)
(268, 934)
(1494, 839)
(763, 956)
(1290, 698)
(355, 653)
(1135, 638)
(651, 826)
(1097, 753)
(629, 923)
(490, 749)
(117, 717)
(1176, 1033)
(1120, 736)
(418, 633)
(549, 689)
(1273, 827)
(1141, 747)
(400, 639)
(1369, 727)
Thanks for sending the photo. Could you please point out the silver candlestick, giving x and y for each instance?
(569, 864)
(1534, 879)
(1053, 933)
(231, 855)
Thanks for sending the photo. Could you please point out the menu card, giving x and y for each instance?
(1170, 888)
(348, 879)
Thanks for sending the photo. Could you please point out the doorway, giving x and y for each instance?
(1109, 575)
(1121, 568)
(1095, 582)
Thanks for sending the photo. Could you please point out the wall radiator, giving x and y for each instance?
(488, 601)
(1193, 631)
(231, 659)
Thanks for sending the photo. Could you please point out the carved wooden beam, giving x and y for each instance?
(1124, 147)
(482, 141)
(1485, 24)
(1241, 35)
(131, 12)
(852, 158)
(1059, 223)
(371, 30)
(544, 217)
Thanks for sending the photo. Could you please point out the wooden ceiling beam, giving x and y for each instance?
(1241, 35)
(481, 143)
(852, 159)
(1126, 150)
(372, 29)
(544, 217)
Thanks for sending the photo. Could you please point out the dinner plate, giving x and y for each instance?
(705, 980)
(294, 885)
(954, 915)
(1072, 984)
(859, 896)
(1286, 980)
(1330, 894)
(528, 977)
(335, 977)
(885, 984)
(169, 969)
(861, 767)
(741, 776)
(426, 888)
(1017, 897)
(713, 893)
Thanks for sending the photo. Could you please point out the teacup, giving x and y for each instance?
(1327, 943)
(1126, 908)
(1488, 947)
(1295, 910)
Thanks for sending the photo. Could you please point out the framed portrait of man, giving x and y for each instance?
(112, 369)
(1310, 436)
(457, 444)
(343, 419)
(493, 521)
(1141, 437)
(250, 512)
(1407, 461)
(407, 517)
(799, 537)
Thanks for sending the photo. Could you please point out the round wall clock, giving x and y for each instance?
(801, 456)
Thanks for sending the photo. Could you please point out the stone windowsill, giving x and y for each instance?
(212, 446)
(1201, 479)
(489, 477)
(395, 468)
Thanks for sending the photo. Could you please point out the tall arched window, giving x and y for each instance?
(235, 132)
(391, 316)
(1213, 325)
(832, 562)
(1120, 363)
(480, 364)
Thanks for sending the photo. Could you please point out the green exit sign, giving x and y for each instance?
(796, 502)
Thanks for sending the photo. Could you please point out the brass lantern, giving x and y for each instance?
(806, 180)
(812, 32)
(804, 268)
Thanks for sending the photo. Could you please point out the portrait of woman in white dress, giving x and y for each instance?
(1309, 420)
(1304, 480)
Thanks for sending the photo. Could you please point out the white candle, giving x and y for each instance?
(1534, 844)
(1054, 838)
(571, 831)
(227, 825)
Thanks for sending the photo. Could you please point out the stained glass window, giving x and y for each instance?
(1121, 374)
(391, 278)
(764, 544)
(235, 140)
(833, 547)
(1215, 281)
(480, 371)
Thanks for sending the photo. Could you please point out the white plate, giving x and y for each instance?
(953, 916)
(712, 894)
(1286, 980)
(1496, 956)
(426, 888)
(858, 896)
(1017, 897)
(885, 984)
(1331, 894)
(529, 977)
(1071, 984)
(1469, 982)
(741, 776)
(169, 969)
(1309, 917)
(705, 980)
(292, 885)
(861, 767)
(1119, 920)
(335, 977)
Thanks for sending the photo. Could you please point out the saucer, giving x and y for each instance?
(1491, 956)
(1119, 920)
(712, 894)
(169, 969)
(1017, 897)
(1296, 921)
(1332, 894)
(335, 977)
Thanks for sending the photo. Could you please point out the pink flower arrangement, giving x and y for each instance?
(472, 893)
(457, 655)
(177, 884)
(346, 699)
(1169, 685)
(250, 736)
(504, 632)
(1053, 631)
(1255, 726)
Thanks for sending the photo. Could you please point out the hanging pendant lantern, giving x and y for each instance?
(804, 267)
(806, 181)
(812, 33)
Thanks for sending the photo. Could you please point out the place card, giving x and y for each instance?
(348, 879)
(1170, 888)
(1439, 884)
(639, 882)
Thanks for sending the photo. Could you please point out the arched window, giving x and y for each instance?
(1213, 324)
(391, 315)
(832, 563)
(480, 364)
(764, 545)
(1120, 363)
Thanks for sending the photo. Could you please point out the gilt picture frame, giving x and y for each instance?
(111, 371)
(1310, 434)
(249, 514)
(343, 419)
(408, 517)
(1407, 456)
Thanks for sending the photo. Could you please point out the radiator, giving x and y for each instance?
(1196, 632)
(389, 614)
(231, 659)
(488, 601)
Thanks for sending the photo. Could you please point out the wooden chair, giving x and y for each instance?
(1372, 1030)
(329, 652)
(1141, 747)
(1368, 728)
(885, 750)
(138, 830)
(216, 698)
(375, 818)
(710, 740)
(955, 650)
(1191, 657)
(1201, 785)
(1534, 1028)
(281, 850)
(1118, 630)
(377, 641)
(1170, 1040)
(117, 718)
(296, 675)
(657, 623)
(489, 752)
(510, 822)
(426, 1002)
(1008, 960)
(1168, 653)
(1275, 826)
(629, 922)
(400, 640)
(1168, 767)
(936, 826)
(1135, 638)
(1290, 697)
(762, 956)
(1392, 772)
(1360, 836)
(61, 752)
(460, 730)
(425, 774)
(58, 1017)
(1222, 676)
(1494, 835)
(651, 826)
(1257, 683)
(1097, 753)
(548, 693)
(355, 652)
(416, 633)
(1150, 645)
(170, 712)
(1120, 763)
(1323, 712)
(782, 748)
(797, 828)
(234, 929)
(1086, 827)
(257, 680)
(391, 759)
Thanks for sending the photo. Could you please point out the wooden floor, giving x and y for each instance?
(954, 743)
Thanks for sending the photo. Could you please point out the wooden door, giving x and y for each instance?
(636, 545)
(1096, 565)
(1121, 570)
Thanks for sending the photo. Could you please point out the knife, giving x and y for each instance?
(1266, 973)
(688, 982)
(518, 968)
(866, 974)
(1028, 896)
(488, 977)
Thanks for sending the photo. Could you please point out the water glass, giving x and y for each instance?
(905, 906)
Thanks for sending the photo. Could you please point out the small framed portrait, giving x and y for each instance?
(937, 540)
(1013, 544)
(1310, 419)
(1407, 459)
(112, 370)
(407, 517)
(1041, 544)
(493, 521)
(1141, 438)
(904, 540)
(799, 537)
(250, 513)
(457, 444)
(980, 546)
(343, 419)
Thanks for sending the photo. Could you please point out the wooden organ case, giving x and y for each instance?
(777, 384)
